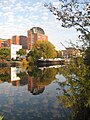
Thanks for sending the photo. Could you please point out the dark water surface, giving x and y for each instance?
(32, 94)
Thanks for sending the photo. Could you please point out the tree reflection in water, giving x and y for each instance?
(5, 75)
(38, 79)
(76, 89)
(35, 78)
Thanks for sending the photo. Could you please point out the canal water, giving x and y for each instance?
(32, 94)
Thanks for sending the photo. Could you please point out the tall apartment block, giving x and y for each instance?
(15, 40)
(35, 34)
(23, 41)
(20, 40)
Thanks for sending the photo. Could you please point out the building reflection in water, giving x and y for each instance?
(15, 80)
(18, 77)
(35, 79)
(34, 87)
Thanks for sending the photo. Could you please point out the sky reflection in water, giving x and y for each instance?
(32, 95)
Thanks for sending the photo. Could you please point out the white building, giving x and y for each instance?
(14, 49)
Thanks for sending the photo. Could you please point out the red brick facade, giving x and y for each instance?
(35, 35)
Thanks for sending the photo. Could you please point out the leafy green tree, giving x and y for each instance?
(77, 95)
(87, 56)
(43, 77)
(42, 49)
(21, 52)
(74, 13)
(4, 53)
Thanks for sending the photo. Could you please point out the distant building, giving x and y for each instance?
(3, 43)
(71, 52)
(15, 40)
(24, 42)
(9, 42)
(35, 34)
(14, 49)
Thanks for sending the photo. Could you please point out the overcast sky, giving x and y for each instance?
(18, 16)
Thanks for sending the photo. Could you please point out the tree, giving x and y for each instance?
(21, 52)
(4, 53)
(47, 49)
(74, 13)
(42, 49)
(75, 89)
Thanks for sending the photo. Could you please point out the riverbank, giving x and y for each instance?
(13, 63)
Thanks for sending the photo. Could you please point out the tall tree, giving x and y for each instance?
(74, 13)
(43, 49)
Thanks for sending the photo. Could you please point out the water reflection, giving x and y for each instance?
(76, 90)
(30, 94)
(39, 78)
(35, 78)
(41, 93)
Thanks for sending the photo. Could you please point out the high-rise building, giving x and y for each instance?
(35, 34)
(15, 40)
(23, 41)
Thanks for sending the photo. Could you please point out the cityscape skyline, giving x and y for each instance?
(18, 16)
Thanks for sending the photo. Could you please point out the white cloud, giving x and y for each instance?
(18, 16)
(12, 1)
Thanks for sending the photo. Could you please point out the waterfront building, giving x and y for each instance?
(16, 40)
(71, 52)
(14, 49)
(23, 41)
(35, 34)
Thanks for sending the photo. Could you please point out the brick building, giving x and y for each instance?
(3, 43)
(35, 34)
(23, 41)
(15, 40)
